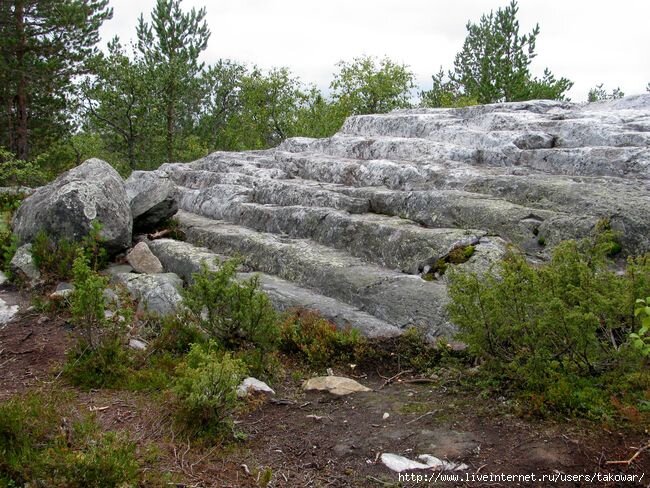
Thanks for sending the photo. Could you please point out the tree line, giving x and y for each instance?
(152, 100)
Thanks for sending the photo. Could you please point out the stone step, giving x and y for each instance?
(275, 191)
(391, 242)
(587, 161)
(401, 300)
(565, 207)
(500, 126)
(184, 259)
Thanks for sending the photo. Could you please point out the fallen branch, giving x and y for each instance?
(388, 381)
(421, 417)
(161, 233)
(627, 462)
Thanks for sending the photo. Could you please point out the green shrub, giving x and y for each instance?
(236, 314)
(178, 333)
(554, 331)
(8, 247)
(39, 446)
(317, 339)
(106, 460)
(206, 388)
(87, 301)
(15, 172)
(641, 338)
(55, 258)
(105, 366)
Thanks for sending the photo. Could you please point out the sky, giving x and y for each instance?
(587, 41)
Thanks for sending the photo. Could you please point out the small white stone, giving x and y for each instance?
(7, 312)
(385, 416)
(137, 344)
(253, 385)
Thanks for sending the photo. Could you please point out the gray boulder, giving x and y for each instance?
(23, 266)
(67, 207)
(151, 198)
(7, 312)
(157, 294)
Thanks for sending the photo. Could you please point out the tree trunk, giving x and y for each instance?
(22, 131)
(170, 131)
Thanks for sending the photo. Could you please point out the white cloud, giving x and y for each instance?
(589, 42)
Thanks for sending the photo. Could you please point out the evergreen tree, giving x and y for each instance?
(43, 46)
(494, 66)
(171, 46)
(599, 93)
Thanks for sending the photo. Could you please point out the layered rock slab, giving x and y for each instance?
(358, 217)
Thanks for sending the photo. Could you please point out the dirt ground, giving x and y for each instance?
(300, 439)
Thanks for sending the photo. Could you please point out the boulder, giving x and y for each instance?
(253, 385)
(63, 290)
(114, 269)
(23, 266)
(336, 385)
(143, 260)
(67, 207)
(158, 294)
(151, 198)
(7, 312)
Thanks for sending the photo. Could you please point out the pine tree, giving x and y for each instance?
(494, 66)
(171, 46)
(43, 45)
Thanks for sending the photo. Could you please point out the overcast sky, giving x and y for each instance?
(587, 41)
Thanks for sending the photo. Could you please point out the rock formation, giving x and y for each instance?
(67, 207)
(351, 224)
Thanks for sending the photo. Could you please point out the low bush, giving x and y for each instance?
(39, 446)
(55, 258)
(8, 247)
(178, 333)
(105, 366)
(557, 333)
(318, 340)
(87, 302)
(205, 388)
(234, 313)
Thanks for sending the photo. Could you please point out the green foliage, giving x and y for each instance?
(87, 301)
(494, 66)
(41, 447)
(178, 333)
(170, 47)
(43, 47)
(641, 338)
(117, 101)
(206, 388)
(8, 247)
(458, 255)
(598, 93)
(318, 340)
(557, 330)
(445, 93)
(236, 314)
(107, 365)
(55, 259)
(16, 172)
(370, 86)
